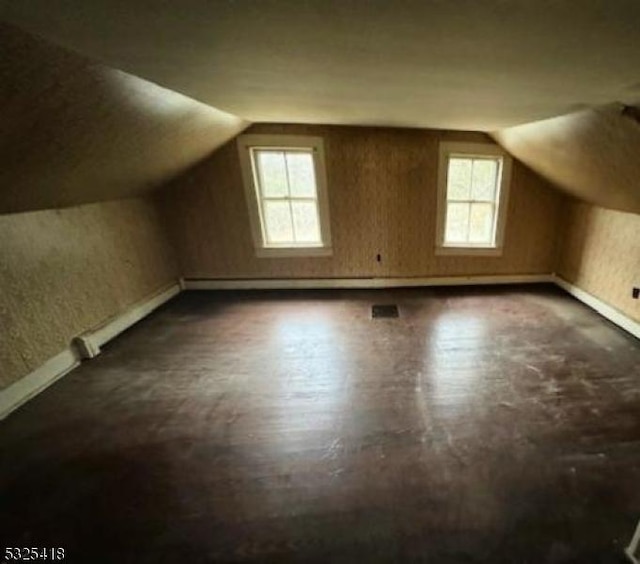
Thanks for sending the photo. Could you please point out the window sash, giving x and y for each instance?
(467, 242)
(295, 242)
(493, 202)
(294, 199)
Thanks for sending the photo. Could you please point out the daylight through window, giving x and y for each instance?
(472, 200)
(473, 194)
(288, 197)
(285, 185)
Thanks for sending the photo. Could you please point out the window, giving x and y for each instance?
(472, 198)
(286, 191)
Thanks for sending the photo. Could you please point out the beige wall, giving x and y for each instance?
(65, 271)
(382, 195)
(73, 131)
(599, 251)
(591, 155)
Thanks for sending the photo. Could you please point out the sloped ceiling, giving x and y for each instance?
(593, 155)
(73, 132)
(464, 64)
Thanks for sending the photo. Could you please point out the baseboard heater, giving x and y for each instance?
(612, 314)
(361, 283)
(88, 344)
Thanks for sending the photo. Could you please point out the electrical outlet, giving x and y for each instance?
(635, 293)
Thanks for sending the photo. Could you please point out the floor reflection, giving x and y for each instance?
(457, 350)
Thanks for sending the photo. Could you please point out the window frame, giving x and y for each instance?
(454, 149)
(249, 142)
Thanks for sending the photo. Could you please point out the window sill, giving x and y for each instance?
(469, 251)
(293, 252)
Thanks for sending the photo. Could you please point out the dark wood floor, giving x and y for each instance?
(481, 426)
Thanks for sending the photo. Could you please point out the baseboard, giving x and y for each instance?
(320, 283)
(89, 343)
(601, 307)
(24, 389)
(611, 313)
(632, 550)
(86, 346)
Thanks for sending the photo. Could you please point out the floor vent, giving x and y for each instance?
(384, 311)
(633, 550)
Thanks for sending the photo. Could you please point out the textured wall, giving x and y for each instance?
(592, 155)
(73, 131)
(65, 271)
(382, 195)
(599, 251)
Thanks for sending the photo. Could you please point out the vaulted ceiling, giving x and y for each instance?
(486, 65)
(469, 64)
(594, 155)
(73, 132)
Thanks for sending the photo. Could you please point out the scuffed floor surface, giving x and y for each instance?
(481, 426)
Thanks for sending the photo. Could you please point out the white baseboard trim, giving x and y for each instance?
(632, 550)
(86, 346)
(320, 283)
(24, 389)
(611, 313)
(89, 343)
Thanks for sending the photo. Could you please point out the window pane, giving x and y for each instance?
(301, 175)
(273, 174)
(277, 218)
(305, 220)
(481, 223)
(457, 223)
(485, 172)
(459, 179)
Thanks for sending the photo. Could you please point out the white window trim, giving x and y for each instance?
(452, 148)
(251, 141)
